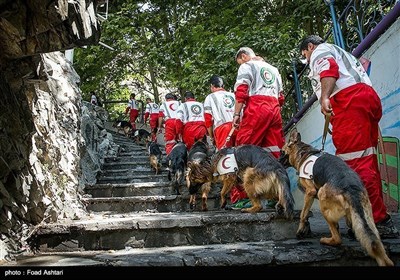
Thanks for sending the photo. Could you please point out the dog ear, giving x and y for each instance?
(298, 138)
(293, 135)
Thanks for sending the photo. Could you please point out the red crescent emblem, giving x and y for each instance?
(170, 106)
(305, 166)
(223, 163)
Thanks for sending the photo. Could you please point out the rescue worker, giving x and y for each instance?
(258, 88)
(190, 123)
(132, 110)
(167, 115)
(218, 112)
(152, 111)
(345, 91)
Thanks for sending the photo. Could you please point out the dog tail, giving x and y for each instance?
(177, 171)
(286, 196)
(180, 171)
(365, 230)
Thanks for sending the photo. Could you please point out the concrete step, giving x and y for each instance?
(136, 189)
(126, 148)
(145, 230)
(137, 153)
(139, 159)
(140, 164)
(236, 257)
(135, 170)
(136, 160)
(216, 239)
(153, 203)
(162, 177)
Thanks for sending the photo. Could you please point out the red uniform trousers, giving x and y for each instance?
(133, 114)
(357, 111)
(153, 121)
(169, 135)
(153, 126)
(221, 133)
(193, 131)
(261, 124)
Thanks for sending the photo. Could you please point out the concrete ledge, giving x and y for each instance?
(307, 252)
(142, 230)
(158, 203)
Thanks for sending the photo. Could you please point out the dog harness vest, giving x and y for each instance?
(227, 164)
(306, 169)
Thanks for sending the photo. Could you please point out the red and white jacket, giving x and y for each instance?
(257, 77)
(329, 60)
(169, 109)
(190, 111)
(151, 109)
(219, 107)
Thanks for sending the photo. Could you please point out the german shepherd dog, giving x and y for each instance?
(124, 126)
(340, 193)
(141, 136)
(155, 156)
(199, 175)
(261, 175)
(177, 160)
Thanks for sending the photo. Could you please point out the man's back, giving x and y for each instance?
(221, 105)
(350, 69)
(191, 111)
(261, 77)
(152, 108)
(169, 109)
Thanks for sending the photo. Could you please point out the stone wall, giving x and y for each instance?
(40, 114)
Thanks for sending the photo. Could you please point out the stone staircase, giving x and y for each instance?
(135, 219)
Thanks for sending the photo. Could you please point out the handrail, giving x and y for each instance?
(386, 22)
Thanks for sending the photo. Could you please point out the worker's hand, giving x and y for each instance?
(326, 107)
(236, 121)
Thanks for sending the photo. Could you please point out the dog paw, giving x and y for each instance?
(223, 205)
(279, 209)
(304, 231)
(330, 241)
(250, 210)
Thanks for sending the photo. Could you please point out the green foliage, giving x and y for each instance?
(179, 44)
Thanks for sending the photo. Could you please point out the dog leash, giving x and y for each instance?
(326, 128)
(381, 147)
(228, 138)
